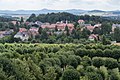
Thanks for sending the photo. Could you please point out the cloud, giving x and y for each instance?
(60, 4)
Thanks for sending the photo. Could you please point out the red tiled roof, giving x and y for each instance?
(81, 21)
(90, 28)
(22, 30)
(33, 29)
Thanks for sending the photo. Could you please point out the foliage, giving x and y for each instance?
(59, 62)
(70, 75)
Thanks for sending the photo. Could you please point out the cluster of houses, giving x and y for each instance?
(89, 27)
(25, 34)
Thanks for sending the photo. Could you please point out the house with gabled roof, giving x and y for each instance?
(22, 34)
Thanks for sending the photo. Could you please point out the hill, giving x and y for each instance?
(55, 17)
(96, 11)
(42, 11)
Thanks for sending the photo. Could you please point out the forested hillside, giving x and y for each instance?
(55, 17)
(59, 62)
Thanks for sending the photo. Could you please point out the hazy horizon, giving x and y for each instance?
(106, 5)
(55, 9)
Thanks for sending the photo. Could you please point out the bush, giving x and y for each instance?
(97, 62)
(111, 63)
(71, 74)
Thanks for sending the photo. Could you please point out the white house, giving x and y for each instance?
(115, 26)
(22, 35)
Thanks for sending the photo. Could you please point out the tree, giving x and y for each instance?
(105, 41)
(107, 53)
(43, 67)
(81, 52)
(59, 72)
(111, 63)
(71, 74)
(94, 76)
(99, 53)
(40, 30)
(21, 70)
(72, 61)
(22, 20)
(81, 70)
(56, 29)
(114, 74)
(35, 70)
(106, 28)
(50, 75)
(116, 53)
(75, 34)
(97, 62)
(16, 28)
(92, 73)
(86, 61)
(67, 30)
(32, 18)
(44, 35)
(63, 60)
(96, 30)
(11, 25)
(104, 72)
(85, 33)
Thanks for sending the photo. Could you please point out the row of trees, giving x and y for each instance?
(56, 62)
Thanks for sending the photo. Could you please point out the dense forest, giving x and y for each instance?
(59, 62)
(55, 17)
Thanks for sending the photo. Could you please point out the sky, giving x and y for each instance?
(59, 4)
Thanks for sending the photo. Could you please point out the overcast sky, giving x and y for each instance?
(59, 4)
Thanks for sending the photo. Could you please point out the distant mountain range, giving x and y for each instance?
(73, 11)
(43, 11)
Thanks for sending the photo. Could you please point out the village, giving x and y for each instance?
(24, 34)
